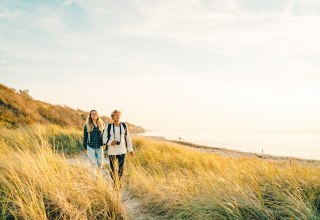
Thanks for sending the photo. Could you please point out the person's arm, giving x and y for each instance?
(106, 138)
(85, 138)
(101, 140)
(128, 141)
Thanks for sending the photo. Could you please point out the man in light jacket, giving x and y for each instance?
(116, 137)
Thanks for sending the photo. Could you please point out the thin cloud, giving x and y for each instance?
(237, 54)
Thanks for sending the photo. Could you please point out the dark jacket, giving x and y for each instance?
(95, 138)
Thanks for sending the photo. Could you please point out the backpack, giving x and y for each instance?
(125, 131)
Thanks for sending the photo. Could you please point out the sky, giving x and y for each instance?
(197, 65)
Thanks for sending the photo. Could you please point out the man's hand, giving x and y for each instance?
(114, 142)
(132, 153)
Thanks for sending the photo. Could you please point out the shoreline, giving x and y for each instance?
(232, 153)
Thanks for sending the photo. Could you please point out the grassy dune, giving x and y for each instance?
(170, 180)
(37, 182)
(18, 108)
(62, 140)
(179, 183)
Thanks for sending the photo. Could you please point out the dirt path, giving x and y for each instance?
(133, 208)
(131, 204)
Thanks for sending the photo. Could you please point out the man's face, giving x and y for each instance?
(116, 117)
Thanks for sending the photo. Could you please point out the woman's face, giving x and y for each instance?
(94, 115)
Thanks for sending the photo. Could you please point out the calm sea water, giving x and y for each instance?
(293, 144)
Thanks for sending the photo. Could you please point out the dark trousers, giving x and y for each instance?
(113, 158)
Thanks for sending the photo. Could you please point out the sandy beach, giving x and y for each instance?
(232, 153)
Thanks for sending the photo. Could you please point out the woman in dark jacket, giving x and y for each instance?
(92, 138)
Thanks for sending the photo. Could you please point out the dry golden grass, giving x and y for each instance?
(38, 183)
(173, 182)
(179, 183)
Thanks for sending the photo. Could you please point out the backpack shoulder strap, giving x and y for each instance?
(125, 128)
(108, 130)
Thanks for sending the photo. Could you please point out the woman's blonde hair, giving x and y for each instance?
(89, 122)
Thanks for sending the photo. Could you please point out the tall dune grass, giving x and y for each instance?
(61, 140)
(179, 183)
(37, 182)
(173, 182)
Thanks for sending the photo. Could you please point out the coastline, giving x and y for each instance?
(232, 153)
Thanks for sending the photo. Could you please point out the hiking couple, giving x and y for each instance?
(113, 138)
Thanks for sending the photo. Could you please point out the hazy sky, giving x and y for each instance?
(170, 64)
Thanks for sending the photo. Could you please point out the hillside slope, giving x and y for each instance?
(18, 108)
